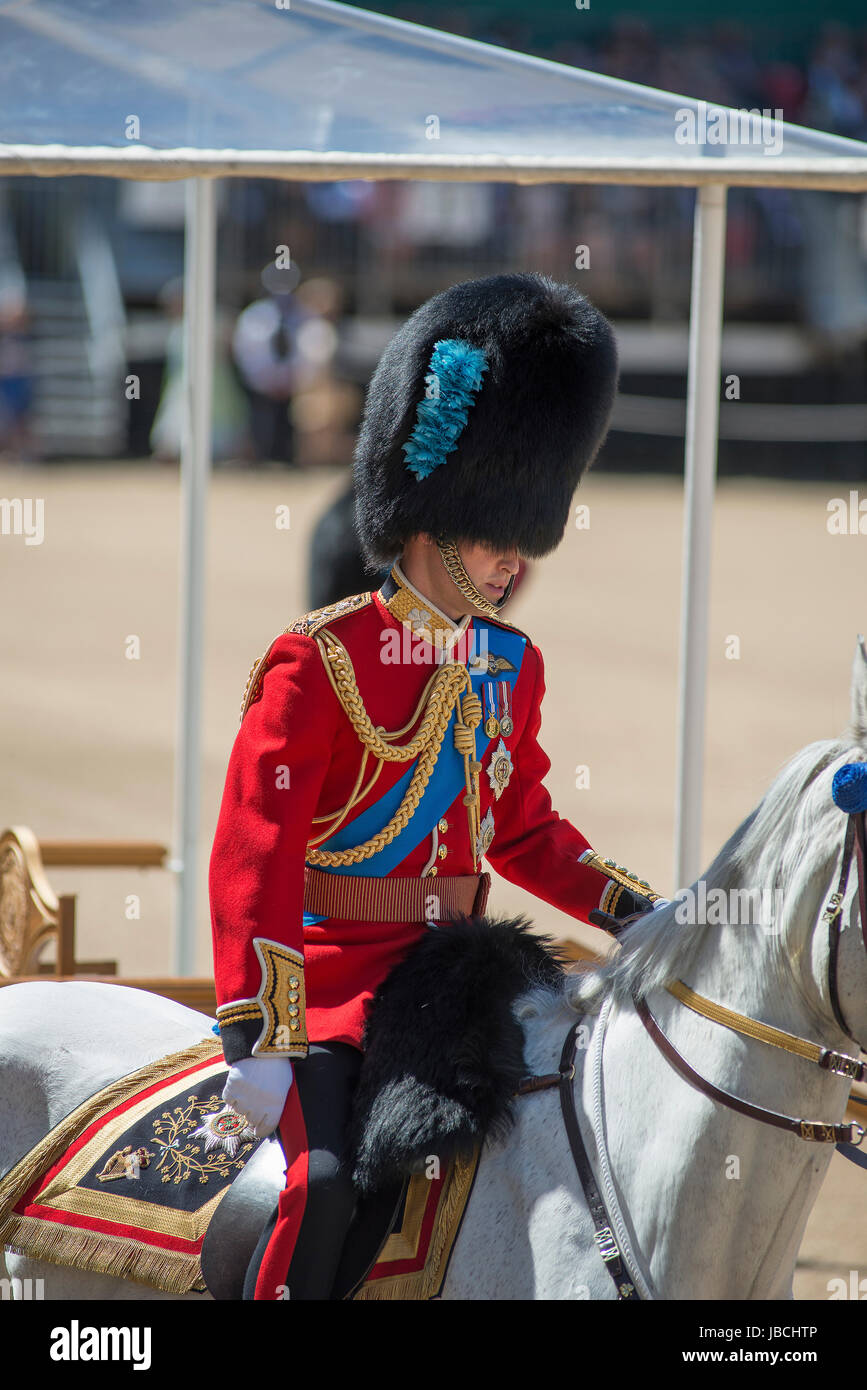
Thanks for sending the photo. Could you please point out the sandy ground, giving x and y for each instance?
(88, 734)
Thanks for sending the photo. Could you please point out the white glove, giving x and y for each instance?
(256, 1088)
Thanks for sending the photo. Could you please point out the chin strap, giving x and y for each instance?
(450, 557)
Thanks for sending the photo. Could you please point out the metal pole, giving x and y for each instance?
(199, 295)
(702, 419)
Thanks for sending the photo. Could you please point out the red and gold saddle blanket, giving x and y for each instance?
(413, 1262)
(127, 1183)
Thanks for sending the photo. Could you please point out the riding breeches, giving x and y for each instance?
(299, 1251)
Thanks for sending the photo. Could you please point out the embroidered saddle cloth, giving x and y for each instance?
(127, 1184)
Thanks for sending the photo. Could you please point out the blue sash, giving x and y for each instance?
(447, 779)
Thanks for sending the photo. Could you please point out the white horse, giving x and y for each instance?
(703, 1202)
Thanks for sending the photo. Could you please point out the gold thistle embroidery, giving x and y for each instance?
(282, 1000)
(179, 1162)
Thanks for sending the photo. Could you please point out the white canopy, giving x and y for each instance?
(310, 89)
(169, 88)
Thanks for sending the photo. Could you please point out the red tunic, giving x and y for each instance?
(297, 757)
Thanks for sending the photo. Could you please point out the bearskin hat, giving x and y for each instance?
(487, 445)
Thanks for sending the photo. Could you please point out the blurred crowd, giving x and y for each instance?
(825, 88)
(369, 252)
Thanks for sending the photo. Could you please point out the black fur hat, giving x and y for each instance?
(533, 426)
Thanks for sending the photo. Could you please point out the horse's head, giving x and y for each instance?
(763, 899)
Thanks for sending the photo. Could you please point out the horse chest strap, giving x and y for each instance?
(603, 1236)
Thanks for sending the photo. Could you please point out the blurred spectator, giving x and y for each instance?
(16, 382)
(281, 347)
(325, 410)
(228, 412)
(834, 100)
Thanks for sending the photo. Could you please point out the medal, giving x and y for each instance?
(506, 725)
(492, 726)
(500, 769)
(485, 835)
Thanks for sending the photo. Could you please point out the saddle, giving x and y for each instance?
(443, 1059)
(155, 1179)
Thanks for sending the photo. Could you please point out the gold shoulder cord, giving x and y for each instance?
(439, 697)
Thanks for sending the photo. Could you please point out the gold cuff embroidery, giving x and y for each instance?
(619, 877)
(280, 1004)
(282, 1001)
(239, 1011)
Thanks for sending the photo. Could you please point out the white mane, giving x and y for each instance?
(768, 848)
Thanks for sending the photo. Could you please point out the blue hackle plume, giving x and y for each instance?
(453, 378)
(849, 788)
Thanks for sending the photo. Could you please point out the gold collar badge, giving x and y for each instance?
(420, 615)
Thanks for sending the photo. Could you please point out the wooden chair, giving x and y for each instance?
(31, 915)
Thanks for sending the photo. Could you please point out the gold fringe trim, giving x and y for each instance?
(100, 1253)
(46, 1153)
(426, 1283)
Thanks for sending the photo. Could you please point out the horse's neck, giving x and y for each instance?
(776, 974)
(714, 1179)
(744, 968)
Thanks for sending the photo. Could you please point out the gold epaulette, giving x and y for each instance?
(306, 625)
(312, 622)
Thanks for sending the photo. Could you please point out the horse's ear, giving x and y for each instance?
(858, 725)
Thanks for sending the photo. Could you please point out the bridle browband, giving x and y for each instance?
(838, 1063)
(856, 831)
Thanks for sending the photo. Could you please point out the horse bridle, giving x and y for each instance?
(809, 1130)
(856, 832)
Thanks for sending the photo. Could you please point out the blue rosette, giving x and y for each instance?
(849, 788)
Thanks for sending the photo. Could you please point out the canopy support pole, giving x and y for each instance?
(702, 432)
(199, 294)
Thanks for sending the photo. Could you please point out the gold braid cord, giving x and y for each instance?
(451, 558)
(442, 692)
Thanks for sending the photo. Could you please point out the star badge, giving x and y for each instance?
(225, 1130)
(500, 769)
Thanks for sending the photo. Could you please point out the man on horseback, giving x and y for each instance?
(389, 741)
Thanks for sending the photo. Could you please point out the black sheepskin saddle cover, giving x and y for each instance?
(443, 1050)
